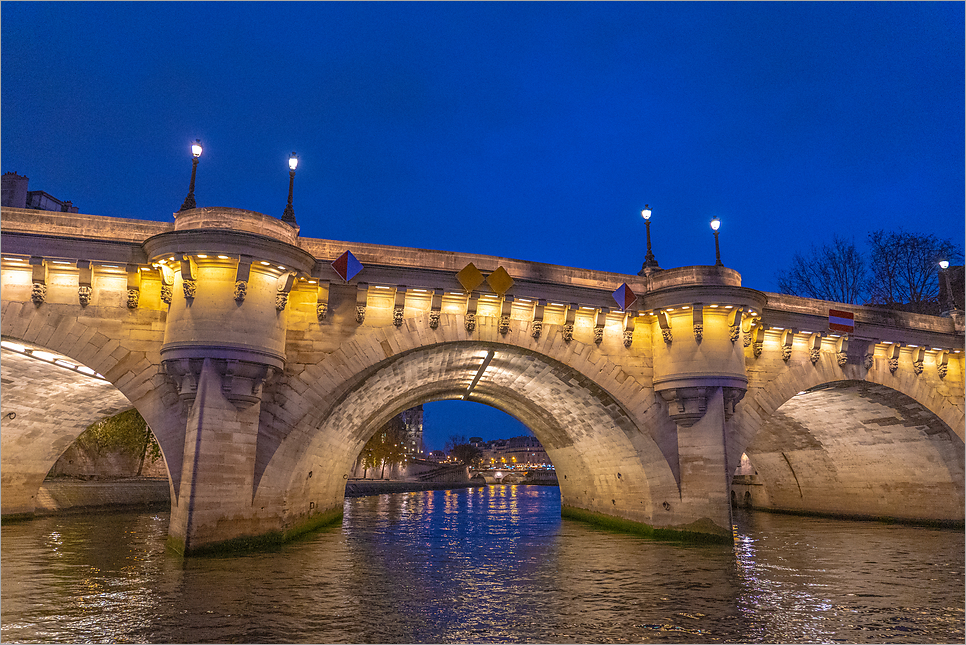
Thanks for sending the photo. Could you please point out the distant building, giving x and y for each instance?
(16, 195)
(437, 455)
(412, 420)
(524, 451)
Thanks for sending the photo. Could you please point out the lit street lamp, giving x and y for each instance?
(650, 264)
(288, 216)
(715, 223)
(950, 304)
(189, 201)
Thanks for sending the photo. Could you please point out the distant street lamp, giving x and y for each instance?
(288, 216)
(715, 223)
(189, 201)
(650, 264)
(950, 304)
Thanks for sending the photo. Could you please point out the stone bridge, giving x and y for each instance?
(262, 372)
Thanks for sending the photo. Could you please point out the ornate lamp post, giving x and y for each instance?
(715, 223)
(650, 263)
(288, 216)
(189, 201)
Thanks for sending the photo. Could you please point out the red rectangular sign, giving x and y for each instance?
(841, 320)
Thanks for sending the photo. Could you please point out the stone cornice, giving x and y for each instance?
(229, 242)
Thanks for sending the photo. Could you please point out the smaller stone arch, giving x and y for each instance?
(856, 448)
(120, 344)
(45, 408)
(765, 395)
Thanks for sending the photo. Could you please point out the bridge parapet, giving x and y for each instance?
(235, 219)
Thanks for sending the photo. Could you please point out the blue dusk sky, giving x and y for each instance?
(534, 131)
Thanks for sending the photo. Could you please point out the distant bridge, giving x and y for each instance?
(262, 373)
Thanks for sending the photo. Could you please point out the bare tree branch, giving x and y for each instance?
(831, 272)
(905, 271)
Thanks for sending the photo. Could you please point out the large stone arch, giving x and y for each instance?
(122, 346)
(855, 441)
(597, 421)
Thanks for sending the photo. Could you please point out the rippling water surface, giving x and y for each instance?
(495, 564)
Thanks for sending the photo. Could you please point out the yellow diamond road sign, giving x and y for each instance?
(500, 281)
(470, 277)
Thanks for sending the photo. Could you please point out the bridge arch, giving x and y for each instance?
(569, 395)
(942, 397)
(126, 355)
(45, 408)
(853, 441)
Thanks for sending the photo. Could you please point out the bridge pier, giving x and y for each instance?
(704, 469)
(224, 339)
(214, 504)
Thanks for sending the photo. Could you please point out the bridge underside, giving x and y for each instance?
(855, 449)
(45, 408)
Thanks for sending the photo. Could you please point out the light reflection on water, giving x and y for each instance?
(494, 564)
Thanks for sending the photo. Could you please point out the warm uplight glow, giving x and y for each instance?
(203, 257)
(44, 356)
(944, 264)
(196, 148)
(14, 346)
(293, 161)
(714, 306)
(86, 370)
(646, 213)
(264, 263)
(715, 223)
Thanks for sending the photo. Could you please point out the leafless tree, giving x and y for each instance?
(905, 272)
(833, 272)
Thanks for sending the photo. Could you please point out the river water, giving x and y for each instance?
(494, 564)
